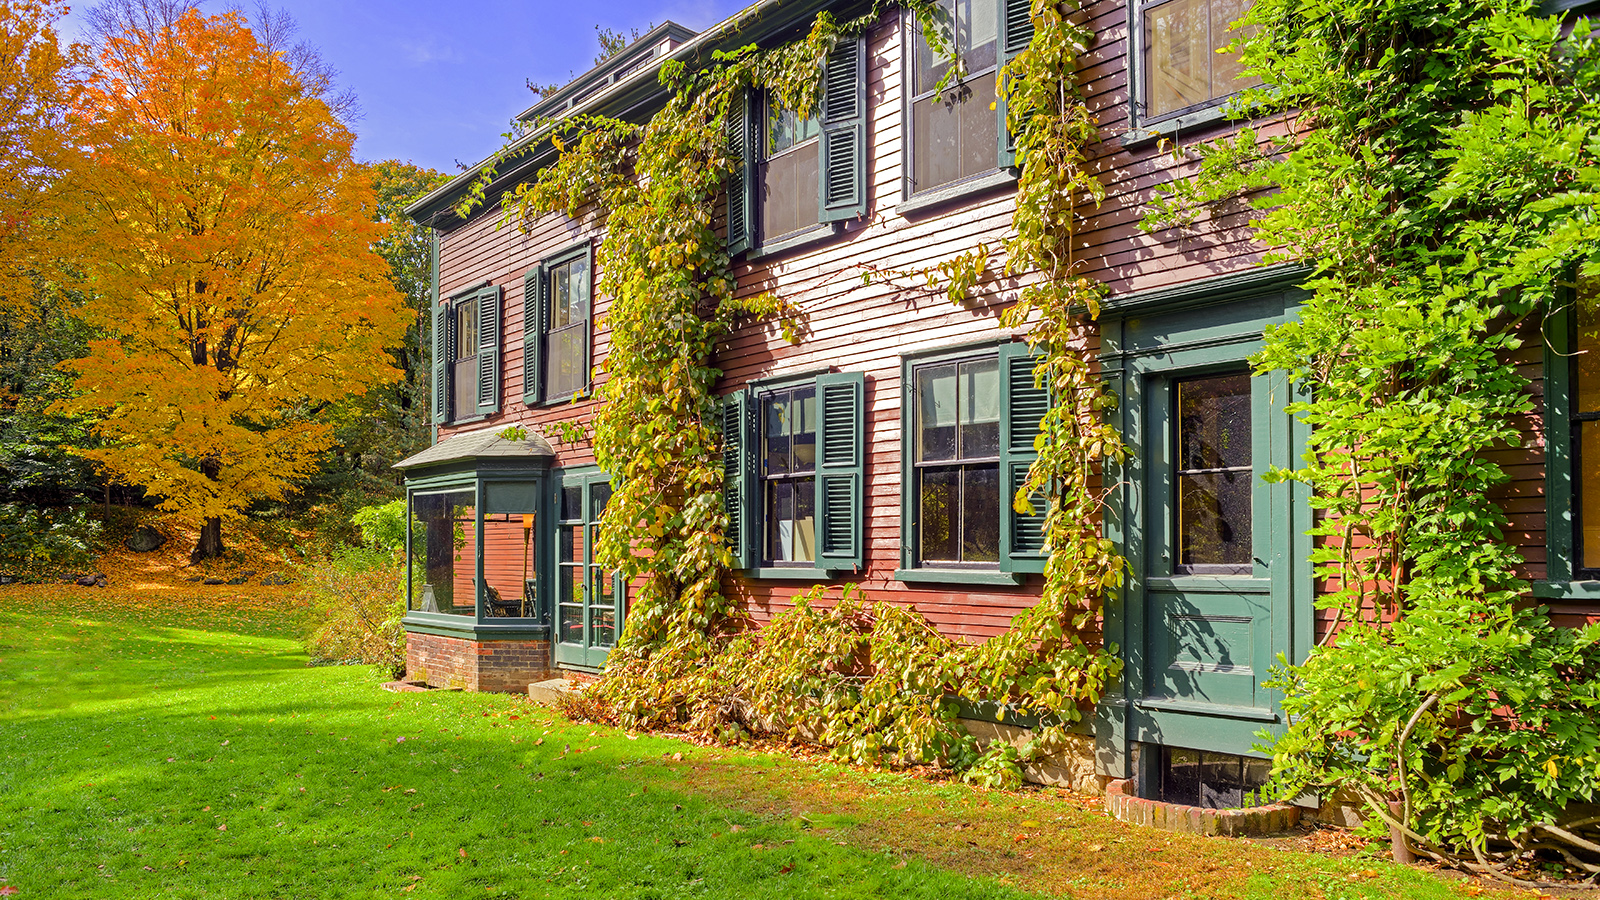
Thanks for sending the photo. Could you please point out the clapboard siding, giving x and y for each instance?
(871, 326)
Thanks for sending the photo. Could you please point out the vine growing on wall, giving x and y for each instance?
(1442, 177)
(872, 680)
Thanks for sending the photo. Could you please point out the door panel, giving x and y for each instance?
(590, 598)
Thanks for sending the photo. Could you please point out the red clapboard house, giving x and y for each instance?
(923, 409)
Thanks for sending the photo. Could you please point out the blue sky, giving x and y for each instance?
(440, 81)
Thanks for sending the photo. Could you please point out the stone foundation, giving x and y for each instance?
(1124, 806)
(464, 664)
(1072, 767)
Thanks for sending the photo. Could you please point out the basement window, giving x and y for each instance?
(1211, 780)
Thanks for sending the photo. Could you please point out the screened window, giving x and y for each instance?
(957, 463)
(464, 369)
(1213, 474)
(566, 341)
(954, 131)
(447, 523)
(788, 173)
(788, 475)
(1182, 68)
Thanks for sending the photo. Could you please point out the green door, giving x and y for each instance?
(1219, 580)
(589, 599)
(1210, 633)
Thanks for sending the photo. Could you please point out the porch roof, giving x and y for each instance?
(483, 443)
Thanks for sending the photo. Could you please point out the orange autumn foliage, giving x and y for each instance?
(225, 236)
(33, 85)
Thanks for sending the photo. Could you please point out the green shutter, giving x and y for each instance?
(1023, 404)
(488, 351)
(842, 187)
(441, 362)
(841, 471)
(736, 455)
(741, 182)
(533, 328)
(1016, 30)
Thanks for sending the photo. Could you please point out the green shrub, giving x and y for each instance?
(383, 527)
(38, 543)
(357, 600)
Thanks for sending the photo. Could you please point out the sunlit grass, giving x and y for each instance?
(180, 747)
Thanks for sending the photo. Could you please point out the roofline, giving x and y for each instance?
(627, 95)
(635, 53)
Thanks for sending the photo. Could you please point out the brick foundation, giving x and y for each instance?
(1124, 806)
(490, 666)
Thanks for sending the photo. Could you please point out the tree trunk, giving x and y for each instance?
(210, 543)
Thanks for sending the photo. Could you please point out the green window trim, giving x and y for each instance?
(841, 158)
(1022, 405)
(487, 297)
(587, 655)
(1563, 579)
(536, 327)
(839, 517)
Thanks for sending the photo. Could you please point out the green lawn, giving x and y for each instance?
(157, 748)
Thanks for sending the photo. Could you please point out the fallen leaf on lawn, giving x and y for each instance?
(7, 890)
(1021, 837)
(538, 742)
(222, 828)
(786, 869)
(900, 865)
(408, 790)
(462, 852)
(1029, 823)
(1096, 848)
(1369, 873)
(1473, 890)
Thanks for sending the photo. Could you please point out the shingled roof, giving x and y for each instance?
(484, 443)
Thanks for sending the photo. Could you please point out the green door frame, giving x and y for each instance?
(586, 654)
(1146, 342)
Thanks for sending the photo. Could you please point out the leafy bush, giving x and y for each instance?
(383, 527)
(40, 542)
(357, 601)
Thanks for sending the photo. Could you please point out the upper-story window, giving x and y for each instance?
(792, 174)
(1583, 431)
(789, 173)
(957, 125)
(954, 132)
(466, 355)
(1182, 69)
(558, 316)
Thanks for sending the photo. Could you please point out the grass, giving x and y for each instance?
(176, 745)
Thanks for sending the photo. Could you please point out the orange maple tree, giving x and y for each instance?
(226, 236)
(33, 85)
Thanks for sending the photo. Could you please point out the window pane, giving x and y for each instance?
(560, 297)
(1177, 58)
(448, 558)
(604, 625)
(775, 434)
(1214, 518)
(980, 515)
(565, 372)
(1586, 350)
(1225, 67)
(929, 68)
(579, 297)
(980, 409)
(780, 520)
(936, 407)
(938, 500)
(805, 520)
(510, 565)
(599, 496)
(803, 444)
(977, 22)
(571, 625)
(789, 192)
(954, 137)
(1214, 422)
(466, 330)
(572, 502)
(1588, 488)
(569, 543)
(785, 129)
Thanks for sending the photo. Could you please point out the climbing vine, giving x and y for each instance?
(1442, 176)
(872, 680)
